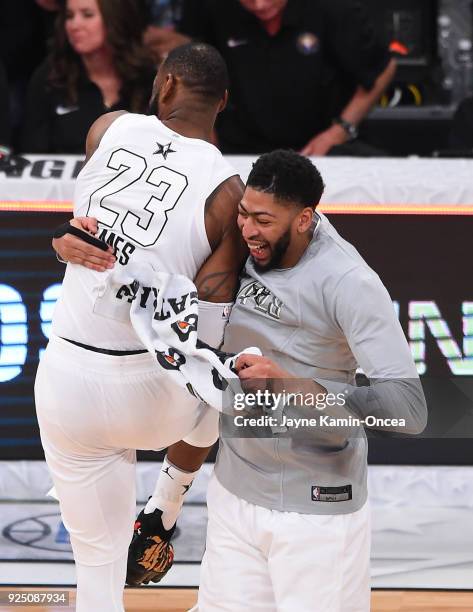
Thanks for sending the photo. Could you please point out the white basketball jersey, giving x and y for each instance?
(147, 186)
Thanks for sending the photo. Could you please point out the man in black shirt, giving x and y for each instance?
(304, 73)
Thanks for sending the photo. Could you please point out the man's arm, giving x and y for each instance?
(354, 112)
(217, 279)
(69, 248)
(97, 131)
(364, 310)
(354, 49)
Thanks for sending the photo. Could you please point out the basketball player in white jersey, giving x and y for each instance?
(162, 194)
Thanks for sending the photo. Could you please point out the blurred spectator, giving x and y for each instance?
(164, 13)
(48, 5)
(9, 163)
(161, 36)
(97, 64)
(23, 26)
(461, 135)
(303, 73)
(50, 8)
(4, 109)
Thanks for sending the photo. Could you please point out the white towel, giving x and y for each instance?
(163, 309)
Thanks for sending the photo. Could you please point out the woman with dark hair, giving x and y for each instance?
(97, 64)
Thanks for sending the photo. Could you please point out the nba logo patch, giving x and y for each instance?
(331, 494)
(226, 312)
(307, 43)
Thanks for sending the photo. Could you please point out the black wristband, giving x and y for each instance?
(67, 228)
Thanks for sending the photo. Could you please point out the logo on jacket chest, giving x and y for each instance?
(262, 298)
(308, 43)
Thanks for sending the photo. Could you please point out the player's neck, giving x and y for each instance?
(296, 250)
(196, 124)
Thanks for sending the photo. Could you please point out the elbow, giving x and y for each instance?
(415, 427)
(403, 402)
(417, 421)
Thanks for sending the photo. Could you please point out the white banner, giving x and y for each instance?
(353, 185)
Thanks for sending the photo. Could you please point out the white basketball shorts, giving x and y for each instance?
(94, 410)
(271, 561)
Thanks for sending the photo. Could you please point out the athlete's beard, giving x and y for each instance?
(278, 250)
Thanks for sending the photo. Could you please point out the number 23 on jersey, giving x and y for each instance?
(140, 220)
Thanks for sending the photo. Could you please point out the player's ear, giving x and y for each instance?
(168, 87)
(305, 220)
(223, 102)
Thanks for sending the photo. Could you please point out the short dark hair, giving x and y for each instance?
(201, 67)
(290, 177)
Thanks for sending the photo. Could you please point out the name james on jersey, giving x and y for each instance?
(121, 251)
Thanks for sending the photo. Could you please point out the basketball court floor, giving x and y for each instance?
(178, 600)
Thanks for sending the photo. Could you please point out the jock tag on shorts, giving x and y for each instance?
(331, 494)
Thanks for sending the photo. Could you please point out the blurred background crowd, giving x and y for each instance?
(305, 74)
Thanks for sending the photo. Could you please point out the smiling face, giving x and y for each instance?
(276, 232)
(264, 10)
(84, 25)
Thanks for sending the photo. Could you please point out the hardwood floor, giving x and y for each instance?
(180, 600)
(421, 601)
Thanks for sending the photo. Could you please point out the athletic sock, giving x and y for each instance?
(168, 496)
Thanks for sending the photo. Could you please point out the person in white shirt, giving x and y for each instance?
(164, 196)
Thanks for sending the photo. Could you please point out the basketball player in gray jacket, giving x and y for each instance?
(289, 525)
(288, 512)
